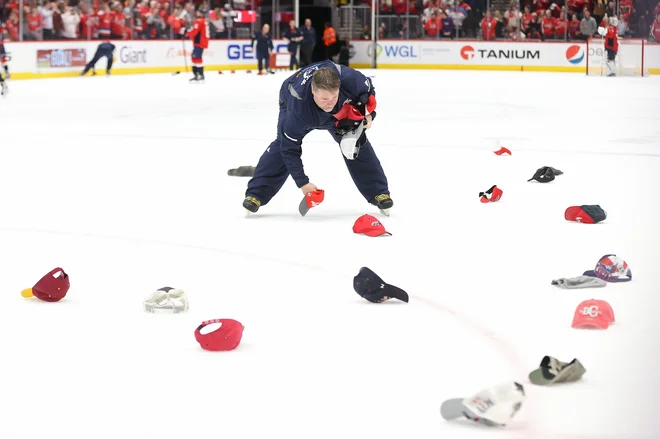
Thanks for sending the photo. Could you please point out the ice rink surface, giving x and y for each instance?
(122, 181)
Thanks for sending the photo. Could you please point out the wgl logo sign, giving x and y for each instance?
(244, 51)
(393, 51)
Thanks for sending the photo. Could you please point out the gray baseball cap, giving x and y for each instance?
(552, 371)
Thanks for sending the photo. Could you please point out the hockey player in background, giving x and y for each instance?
(3, 86)
(4, 56)
(105, 49)
(611, 44)
(199, 33)
(264, 48)
(322, 96)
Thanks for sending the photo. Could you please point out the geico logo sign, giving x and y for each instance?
(244, 51)
(468, 53)
(128, 55)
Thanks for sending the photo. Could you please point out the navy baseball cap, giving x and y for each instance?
(372, 288)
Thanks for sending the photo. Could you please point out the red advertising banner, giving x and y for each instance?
(53, 58)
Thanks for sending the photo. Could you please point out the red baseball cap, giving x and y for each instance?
(370, 226)
(225, 338)
(593, 313)
(50, 288)
(587, 214)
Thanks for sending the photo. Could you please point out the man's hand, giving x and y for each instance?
(309, 187)
(369, 119)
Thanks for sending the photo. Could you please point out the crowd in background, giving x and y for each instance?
(468, 19)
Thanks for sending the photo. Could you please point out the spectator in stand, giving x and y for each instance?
(533, 30)
(366, 33)
(87, 26)
(433, 26)
(488, 24)
(548, 25)
(175, 23)
(655, 28)
(33, 24)
(155, 24)
(540, 6)
(512, 19)
(525, 18)
(561, 26)
(622, 27)
(576, 6)
(399, 7)
(500, 26)
(12, 26)
(404, 31)
(430, 9)
(588, 25)
(610, 11)
(105, 21)
(118, 22)
(47, 20)
(447, 26)
(308, 43)
(574, 28)
(229, 13)
(382, 31)
(457, 16)
(599, 10)
(70, 21)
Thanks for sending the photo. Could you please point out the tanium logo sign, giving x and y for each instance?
(467, 52)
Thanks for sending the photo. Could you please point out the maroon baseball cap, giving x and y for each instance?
(50, 288)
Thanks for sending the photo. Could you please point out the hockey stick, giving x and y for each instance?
(183, 46)
(185, 58)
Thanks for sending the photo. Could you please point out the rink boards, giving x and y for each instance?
(67, 58)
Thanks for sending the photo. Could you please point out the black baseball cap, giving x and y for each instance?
(372, 288)
(545, 174)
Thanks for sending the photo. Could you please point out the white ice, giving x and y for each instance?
(122, 182)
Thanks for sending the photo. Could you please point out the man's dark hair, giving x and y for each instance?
(326, 79)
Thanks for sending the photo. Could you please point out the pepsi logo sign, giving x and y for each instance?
(575, 54)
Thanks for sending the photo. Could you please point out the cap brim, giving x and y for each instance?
(454, 409)
(537, 377)
(573, 212)
(590, 273)
(27, 293)
(396, 292)
(374, 233)
(588, 322)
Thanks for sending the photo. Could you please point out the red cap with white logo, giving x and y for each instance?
(593, 313)
(370, 226)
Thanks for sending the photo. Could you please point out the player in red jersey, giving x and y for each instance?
(199, 34)
(611, 44)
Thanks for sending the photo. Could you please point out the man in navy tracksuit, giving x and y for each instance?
(322, 96)
(105, 49)
(264, 47)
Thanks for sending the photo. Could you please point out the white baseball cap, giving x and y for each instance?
(494, 406)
